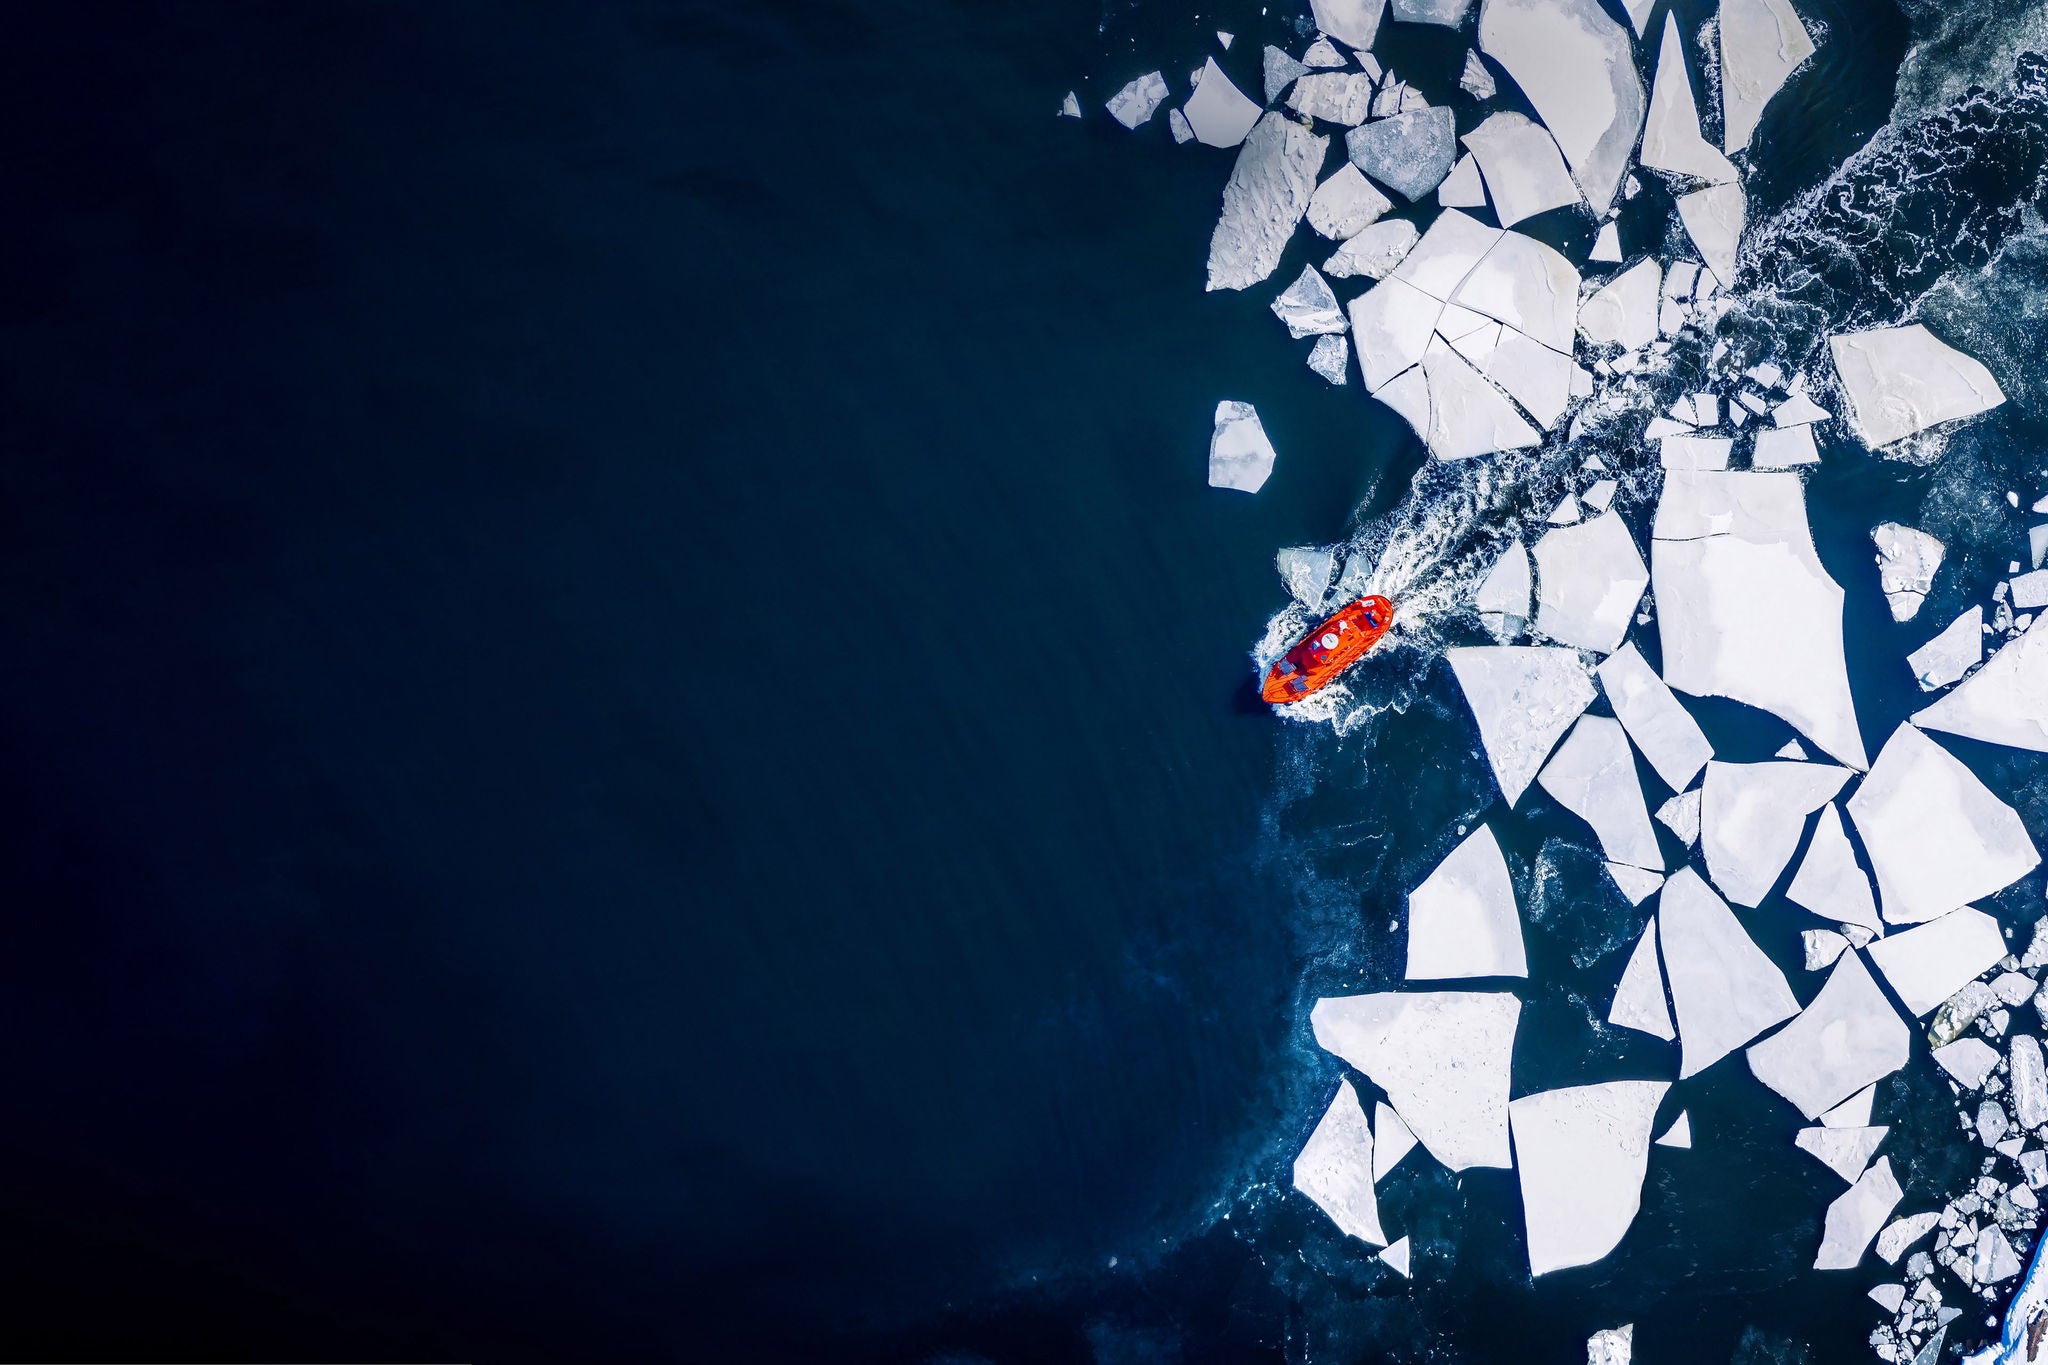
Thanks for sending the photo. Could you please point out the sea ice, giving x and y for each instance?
(1307, 573)
(1902, 380)
(1330, 357)
(1671, 135)
(1714, 217)
(2004, 702)
(1593, 775)
(1723, 988)
(1762, 43)
(1893, 1241)
(1070, 107)
(1475, 80)
(1462, 920)
(1375, 251)
(1847, 1038)
(1135, 104)
(1639, 999)
(1937, 837)
(1638, 884)
(1681, 814)
(1589, 578)
(1525, 173)
(1448, 13)
(1410, 153)
(1178, 123)
(1822, 946)
(2030, 589)
(1266, 196)
(1322, 55)
(1969, 1060)
(1397, 1257)
(1391, 1141)
(1455, 243)
(1798, 411)
(1467, 416)
(1334, 96)
(1606, 245)
(1856, 1215)
(1623, 312)
(1524, 698)
(1600, 494)
(1662, 728)
(1281, 71)
(1610, 1346)
(1679, 1134)
(1503, 598)
(1845, 1151)
(1853, 1112)
(1441, 1056)
(1335, 1168)
(1218, 111)
(1906, 563)
(1345, 204)
(1462, 188)
(1695, 454)
(1535, 376)
(1948, 656)
(1829, 882)
(1751, 819)
(1354, 23)
(1784, 449)
(1994, 1258)
(1582, 1152)
(1392, 323)
(1577, 67)
(1527, 285)
(1240, 456)
(2029, 1079)
(1309, 307)
(1928, 964)
(1745, 609)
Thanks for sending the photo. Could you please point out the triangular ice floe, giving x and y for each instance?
(1593, 775)
(1335, 1168)
(1462, 919)
(1723, 988)
(1639, 999)
(1751, 817)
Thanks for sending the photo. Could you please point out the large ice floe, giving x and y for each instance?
(1441, 1056)
(1902, 380)
(1354, 23)
(1751, 819)
(1267, 194)
(1589, 578)
(1848, 1037)
(1581, 1153)
(1462, 920)
(1525, 173)
(1855, 1217)
(1335, 1168)
(1524, 698)
(1593, 775)
(2005, 701)
(1409, 153)
(1578, 69)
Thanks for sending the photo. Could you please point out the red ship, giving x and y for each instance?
(1330, 648)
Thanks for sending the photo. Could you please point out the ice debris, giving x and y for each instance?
(1441, 1056)
(1134, 105)
(1309, 306)
(1267, 194)
(1610, 1345)
(1524, 698)
(1903, 380)
(1948, 656)
(1397, 1258)
(1623, 312)
(1374, 252)
(1345, 204)
(1679, 1134)
(1723, 989)
(1462, 919)
(1475, 80)
(1307, 573)
(1606, 245)
(1823, 947)
(1928, 964)
(1339, 97)
(1581, 1153)
(1330, 357)
(1391, 1141)
(1593, 775)
(2004, 702)
(1681, 815)
(1847, 1038)
(1855, 1217)
(1577, 66)
(1906, 563)
(1447, 13)
(1070, 107)
(1410, 153)
(1334, 1169)
(1751, 819)
(1589, 578)
(1280, 72)
(1240, 456)
(1785, 449)
(1893, 1241)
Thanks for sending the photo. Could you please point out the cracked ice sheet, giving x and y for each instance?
(1752, 816)
(1854, 1218)
(1334, 1169)
(1724, 989)
(2004, 702)
(1523, 698)
(1589, 579)
(1267, 194)
(1462, 919)
(1467, 415)
(1577, 66)
(1375, 252)
(1524, 171)
(1903, 380)
(1593, 775)
(1937, 837)
(1845, 1151)
(1529, 286)
(1745, 610)
(1443, 1059)
(1662, 728)
(1582, 1152)
(1847, 1038)
(1714, 218)
(1928, 964)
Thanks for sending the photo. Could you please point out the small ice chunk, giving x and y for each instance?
(1410, 153)
(1969, 1060)
(1505, 591)
(1475, 80)
(1786, 449)
(1751, 819)
(1462, 188)
(1593, 775)
(1582, 1153)
(1662, 728)
(1994, 1259)
(1281, 71)
(1354, 23)
(1307, 573)
(1829, 882)
(1695, 453)
(1330, 357)
(1937, 837)
(1949, 655)
(1906, 563)
(1577, 66)
(1714, 218)
(1681, 814)
(1607, 245)
(1855, 1217)
(1391, 1141)
(1610, 1346)
(1441, 1056)
(1902, 380)
(1723, 988)
(1822, 947)
(1798, 411)
(1766, 374)
(1762, 43)
(1790, 749)
(1636, 883)
(1525, 172)
(1447, 13)
(2029, 1080)
(1893, 1241)
(1322, 55)
(1679, 1134)
(1177, 123)
(1853, 1112)
(1849, 1037)
(1889, 1296)
(1589, 579)
(1240, 456)
(1218, 111)
(1845, 1151)
(1374, 252)
(1070, 107)
(1623, 312)
(1928, 964)
(1135, 104)
(1334, 96)
(1345, 204)
(1309, 306)
(1671, 135)
(1462, 919)
(1224, 40)
(1600, 494)
(1266, 196)
(1334, 1169)
(2030, 590)
(1524, 698)
(1639, 999)
(1397, 1258)
(2004, 702)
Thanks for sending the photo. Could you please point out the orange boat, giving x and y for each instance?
(1330, 648)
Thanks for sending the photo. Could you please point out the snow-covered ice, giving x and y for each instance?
(2005, 701)
(1309, 306)
(1178, 123)
(1503, 597)
(1694, 453)
(1240, 456)
(1589, 578)
(1784, 449)
(1948, 656)
(1714, 219)
(1606, 245)
(1322, 55)
(1441, 1056)
(1637, 883)
(1847, 1038)
(1762, 42)
(1220, 113)
(1447, 13)
(1524, 698)
(1906, 563)
(1845, 1151)
(1527, 285)
(1334, 1169)
(1829, 881)
(1391, 1141)
(1266, 196)
(1855, 1217)
(1397, 1258)
(1374, 252)
(1969, 1060)
(1681, 814)
(1723, 989)
(1341, 97)
(1462, 919)
(1280, 72)
(1330, 357)
(1525, 173)
(1475, 80)
(1927, 964)
(1903, 380)
(1593, 775)
(1577, 66)
(1409, 153)
(1346, 204)
(1893, 1241)
(1853, 1112)
(1070, 107)
(2029, 1080)
(1752, 816)
(1463, 188)
(1354, 23)
(1581, 1153)
(1610, 1345)
(1661, 727)
(1639, 999)
(1134, 105)
(1822, 947)
(1679, 1134)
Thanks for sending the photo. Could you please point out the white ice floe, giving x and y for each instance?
(1447, 13)
(1525, 173)
(1638, 884)
(1441, 1056)
(1723, 988)
(1346, 204)
(1240, 456)
(2030, 590)
(1475, 80)
(1354, 23)
(1798, 411)
(1762, 42)
(1606, 245)
(1937, 837)
(1993, 1259)
(1135, 104)
(1224, 39)
(1589, 579)
(1639, 1000)
(1853, 1112)
(1534, 375)
(1610, 1345)
(1577, 67)
(1855, 1217)
(1341, 97)
(1671, 134)
(1822, 947)
(1751, 819)
(1928, 964)
(1374, 252)
(1893, 1241)
(1681, 815)
(1845, 1151)
(1948, 656)
(1527, 285)
(1392, 323)
(1397, 1258)
(1662, 728)
(1455, 243)
(1330, 357)
(1070, 107)
(1623, 312)
(1849, 1037)
(1785, 449)
(1267, 194)
(1391, 1141)
(1679, 1134)
(1695, 454)
(1410, 153)
(2029, 1080)
(1454, 409)
(1307, 573)
(1178, 123)
(1322, 55)
(1463, 920)
(1593, 775)
(1582, 1152)
(1462, 188)
(1829, 882)
(1902, 380)
(1906, 563)
(1309, 307)
(1524, 698)
(1790, 749)
(1600, 494)
(2004, 702)
(1714, 219)
(1334, 1169)
(1969, 1060)
(1503, 598)
(1218, 111)
(1281, 71)
(1745, 609)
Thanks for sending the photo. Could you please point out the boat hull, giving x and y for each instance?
(1328, 650)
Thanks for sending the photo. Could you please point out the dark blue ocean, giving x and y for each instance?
(625, 724)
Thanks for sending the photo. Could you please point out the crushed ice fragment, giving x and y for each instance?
(1903, 380)
(1723, 989)
(1334, 1169)
(1524, 698)
(1330, 357)
(1333, 96)
(1906, 563)
(1070, 107)
(1374, 252)
(1822, 947)
(1610, 1345)
(1447, 13)
(1309, 306)
(1240, 456)
(1581, 1153)
(1462, 919)
(1927, 964)
(1135, 104)
(1281, 71)
(1681, 815)
(1901, 1234)
(1475, 80)
(1267, 194)
(1177, 123)
(1441, 1056)
(1577, 66)
(1307, 573)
